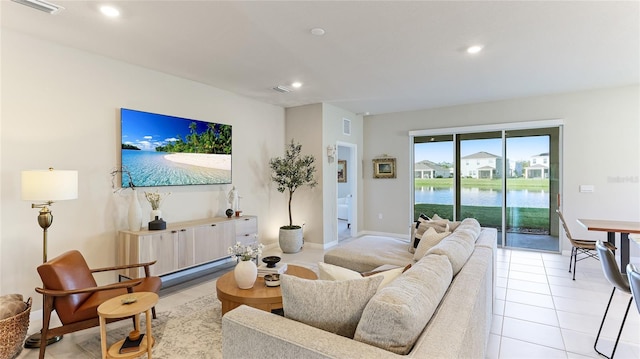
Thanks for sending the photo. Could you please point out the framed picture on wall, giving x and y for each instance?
(384, 167)
(342, 170)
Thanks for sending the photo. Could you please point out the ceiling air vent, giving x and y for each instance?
(346, 127)
(41, 5)
(282, 89)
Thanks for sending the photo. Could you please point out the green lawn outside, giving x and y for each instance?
(496, 184)
(519, 218)
(529, 218)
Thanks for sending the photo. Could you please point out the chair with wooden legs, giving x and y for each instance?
(71, 290)
(619, 281)
(584, 247)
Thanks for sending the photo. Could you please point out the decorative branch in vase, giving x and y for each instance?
(134, 215)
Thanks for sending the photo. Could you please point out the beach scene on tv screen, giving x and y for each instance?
(161, 150)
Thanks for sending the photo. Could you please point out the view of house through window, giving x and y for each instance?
(505, 179)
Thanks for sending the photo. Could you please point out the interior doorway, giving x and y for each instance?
(346, 190)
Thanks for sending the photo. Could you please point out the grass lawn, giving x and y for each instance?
(496, 184)
(529, 218)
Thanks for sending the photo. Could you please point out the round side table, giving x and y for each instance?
(115, 308)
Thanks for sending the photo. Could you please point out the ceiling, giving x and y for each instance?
(375, 57)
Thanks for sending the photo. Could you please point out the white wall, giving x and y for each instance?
(600, 144)
(332, 118)
(60, 108)
(304, 126)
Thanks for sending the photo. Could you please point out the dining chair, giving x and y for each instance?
(619, 281)
(580, 246)
(633, 275)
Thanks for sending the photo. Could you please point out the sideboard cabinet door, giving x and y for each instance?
(183, 245)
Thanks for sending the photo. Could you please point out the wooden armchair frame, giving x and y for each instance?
(50, 295)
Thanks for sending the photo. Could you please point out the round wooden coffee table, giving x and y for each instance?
(260, 296)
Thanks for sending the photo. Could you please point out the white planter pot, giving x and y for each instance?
(135, 213)
(245, 274)
(290, 240)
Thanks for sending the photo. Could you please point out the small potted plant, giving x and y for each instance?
(246, 271)
(290, 173)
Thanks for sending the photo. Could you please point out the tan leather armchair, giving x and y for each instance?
(71, 290)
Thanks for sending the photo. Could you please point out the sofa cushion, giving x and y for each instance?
(333, 306)
(394, 318)
(457, 247)
(369, 252)
(331, 272)
(429, 239)
(471, 224)
(11, 305)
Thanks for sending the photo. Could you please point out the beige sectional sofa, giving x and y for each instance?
(457, 323)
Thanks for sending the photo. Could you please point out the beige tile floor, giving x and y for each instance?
(539, 312)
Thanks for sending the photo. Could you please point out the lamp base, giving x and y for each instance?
(33, 341)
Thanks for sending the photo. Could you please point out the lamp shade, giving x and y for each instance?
(49, 185)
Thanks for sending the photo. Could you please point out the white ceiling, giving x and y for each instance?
(376, 56)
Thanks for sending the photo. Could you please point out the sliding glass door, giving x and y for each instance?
(532, 189)
(506, 179)
(481, 175)
(433, 174)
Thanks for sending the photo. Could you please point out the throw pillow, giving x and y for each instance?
(394, 318)
(429, 239)
(440, 225)
(10, 305)
(333, 272)
(333, 306)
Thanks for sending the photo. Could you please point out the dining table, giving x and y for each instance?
(612, 227)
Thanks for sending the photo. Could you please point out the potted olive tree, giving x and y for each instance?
(290, 173)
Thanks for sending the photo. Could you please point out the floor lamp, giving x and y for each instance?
(47, 187)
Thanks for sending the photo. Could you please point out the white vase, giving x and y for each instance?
(156, 213)
(135, 213)
(245, 274)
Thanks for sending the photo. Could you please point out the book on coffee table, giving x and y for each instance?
(278, 269)
(130, 346)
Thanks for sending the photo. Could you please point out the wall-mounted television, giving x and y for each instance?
(161, 150)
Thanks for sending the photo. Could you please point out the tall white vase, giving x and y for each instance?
(245, 274)
(135, 212)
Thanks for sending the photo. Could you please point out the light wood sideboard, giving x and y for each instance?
(184, 244)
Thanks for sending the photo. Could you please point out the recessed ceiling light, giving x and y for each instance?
(474, 49)
(318, 31)
(109, 11)
(296, 85)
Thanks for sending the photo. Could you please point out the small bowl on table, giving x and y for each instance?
(272, 280)
(271, 261)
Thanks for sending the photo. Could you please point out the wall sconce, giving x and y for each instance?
(331, 153)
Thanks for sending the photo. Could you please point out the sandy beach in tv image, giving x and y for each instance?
(220, 162)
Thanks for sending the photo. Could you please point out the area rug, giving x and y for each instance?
(192, 330)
